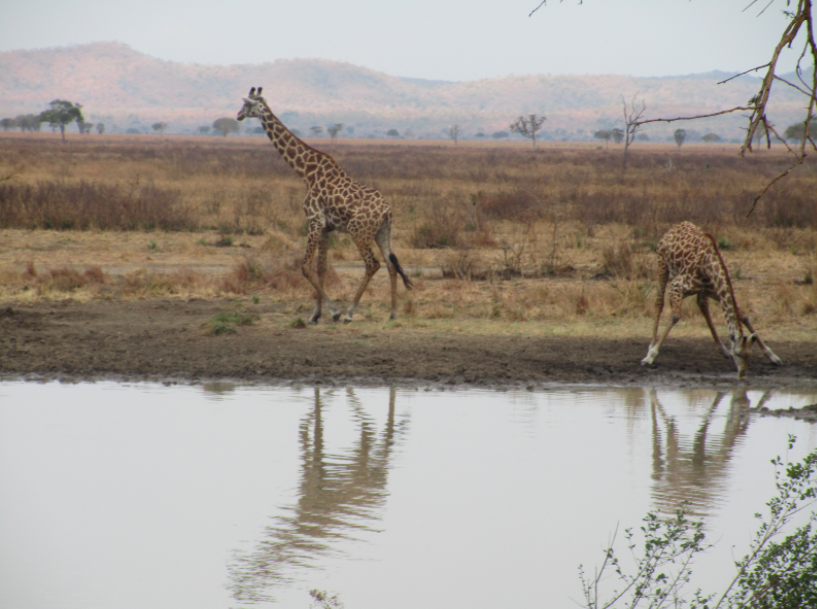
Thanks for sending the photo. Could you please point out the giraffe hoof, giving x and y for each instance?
(335, 316)
(347, 320)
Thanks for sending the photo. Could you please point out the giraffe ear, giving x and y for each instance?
(252, 91)
(259, 91)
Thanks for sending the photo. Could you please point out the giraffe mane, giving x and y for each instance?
(331, 159)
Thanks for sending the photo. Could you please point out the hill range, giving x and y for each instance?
(127, 89)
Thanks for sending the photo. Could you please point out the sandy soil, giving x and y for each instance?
(167, 340)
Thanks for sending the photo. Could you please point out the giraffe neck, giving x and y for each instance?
(307, 162)
(726, 293)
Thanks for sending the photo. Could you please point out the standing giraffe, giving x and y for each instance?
(333, 202)
(691, 257)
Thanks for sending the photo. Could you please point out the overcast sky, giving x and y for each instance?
(433, 39)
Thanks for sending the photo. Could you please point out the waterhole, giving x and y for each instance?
(221, 495)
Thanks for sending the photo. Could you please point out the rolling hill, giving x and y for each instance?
(127, 89)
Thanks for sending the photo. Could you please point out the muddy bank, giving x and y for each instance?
(166, 339)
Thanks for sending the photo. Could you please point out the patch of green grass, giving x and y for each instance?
(225, 322)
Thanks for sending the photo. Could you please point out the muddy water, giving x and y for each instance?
(223, 496)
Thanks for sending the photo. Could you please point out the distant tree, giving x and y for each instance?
(27, 122)
(8, 123)
(617, 135)
(159, 127)
(62, 113)
(480, 135)
(679, 136)
(498, 135)
(257, 131)
(85, 127)
(316, 131)
(642, 137)
(632, 116)
(797, 131)
(603, 134)
(528, 126)
(204, 130)
(453, 132)
(225, 126)
(393, 133)
(133, 131)
(296, 132)
(100, 128)
(334, 130)
(711, 137)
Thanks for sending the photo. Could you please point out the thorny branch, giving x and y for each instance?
(801, 17)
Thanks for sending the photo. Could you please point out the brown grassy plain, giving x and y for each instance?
(498, 238)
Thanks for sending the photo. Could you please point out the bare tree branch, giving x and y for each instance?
(800, 15)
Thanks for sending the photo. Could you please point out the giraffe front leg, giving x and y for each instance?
(703, 305)
(675, 298)
(663, 277)
(318, 240)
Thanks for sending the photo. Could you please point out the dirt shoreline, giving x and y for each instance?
(163, 340)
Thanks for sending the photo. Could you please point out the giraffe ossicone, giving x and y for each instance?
(333, 202)
(689, 263)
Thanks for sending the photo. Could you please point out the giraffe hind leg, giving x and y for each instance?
(372, 266)
(770, 355)
(383, 240)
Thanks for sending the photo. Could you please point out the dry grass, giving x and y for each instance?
(488, 232)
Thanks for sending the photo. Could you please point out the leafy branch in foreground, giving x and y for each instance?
(661, 572)
(779, 574)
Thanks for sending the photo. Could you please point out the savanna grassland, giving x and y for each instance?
(197, 242)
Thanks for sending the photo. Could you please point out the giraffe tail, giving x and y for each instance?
(399, 269)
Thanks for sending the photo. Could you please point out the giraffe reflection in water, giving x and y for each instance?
(339, 496)
(696, 472)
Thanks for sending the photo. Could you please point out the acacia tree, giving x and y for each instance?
(62, 113)
(334, 130)
(528, 126)
(797, 131)
(225, 126)
(316, 130)
(801, 18)
(603, 134)
(679, 136)
(160, 127)
(28, 122)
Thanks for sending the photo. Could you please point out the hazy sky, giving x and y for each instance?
(434, 39)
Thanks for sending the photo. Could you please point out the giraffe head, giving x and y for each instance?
(254, 106)
(741, 348)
